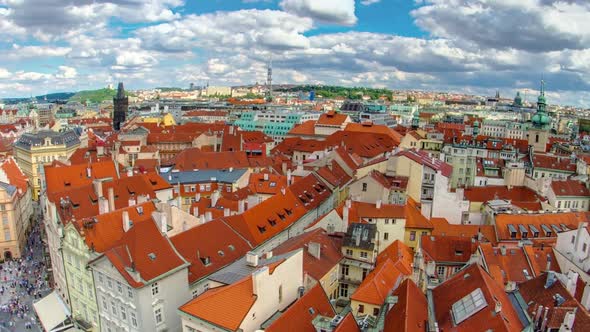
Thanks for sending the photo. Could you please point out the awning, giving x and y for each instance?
(53, 313)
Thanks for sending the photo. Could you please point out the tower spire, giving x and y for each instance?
(269, 80)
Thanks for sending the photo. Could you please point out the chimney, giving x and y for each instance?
(289, 177)
(548, 267)
(265, 176)
(197, 197)
(348, 203)
(568, 321)
(283, 191)
(129, 171)
(126, 221)
(378, 204)
(258, 278)
(103, 205)
(241, 206)
(208, 216)
(284, 167)
(100, 150)
(498, 307)
(196, 211)
(88, 172)
(314, 249)
(111, 199)
(268, 254)
(164, 223)
(97, 187)
(345, 217)
(503, 250)
(226, 212)
(251, 259)
(141, 199)
(214, 197)
(132, 201)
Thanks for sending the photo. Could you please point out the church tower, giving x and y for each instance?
(121, 106)
(538, 134)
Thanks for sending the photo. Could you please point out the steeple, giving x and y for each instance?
(120, 91)
(541, 119)
(120, 107)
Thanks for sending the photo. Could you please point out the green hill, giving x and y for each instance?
(95, 96)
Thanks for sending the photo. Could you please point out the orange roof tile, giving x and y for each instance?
(306, 128)
(299, 316)
(209, 253)
(134, 249)
(332, 118)
(443, 228)
(63, 177)
(569, 219)
(410, 313)
(373, 128)
(569, 188)
(348, 324)
(511, 265)
(448, 249)
(487, 193)
(462, 284)
(15, 175)
(330, 253)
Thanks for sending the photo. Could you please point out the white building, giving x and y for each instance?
(572, 252)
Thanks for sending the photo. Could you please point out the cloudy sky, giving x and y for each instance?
(471, 46)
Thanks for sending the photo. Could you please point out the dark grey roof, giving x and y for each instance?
(28, 140)
(203, 176)
(10, 189)
(363, 234)
(238, 270)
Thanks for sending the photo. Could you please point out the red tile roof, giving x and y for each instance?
(64, 177)
(348, 324)
(194, 158)
(549, 162)
(330, 253)
(218, 251)
(393, 265)
(448, 249)
(15, 175)
(134, 249)
(410, 313)
(506, 267)
(569, 188)
(535, 294)
(423, 158)
(331, 118)
(443, 228)
(390, 182)
(306, 128)
(569, 219)
(299, 316)
(334, 174)
(373, 128)
(488, 193)
(538, 256)
(462, 284)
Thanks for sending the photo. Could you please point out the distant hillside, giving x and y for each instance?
(52, 97)
(96, 96)
(327, 91)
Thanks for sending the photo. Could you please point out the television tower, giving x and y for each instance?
(269, 82)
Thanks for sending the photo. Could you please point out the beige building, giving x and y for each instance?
(33, 150)
(16, 209)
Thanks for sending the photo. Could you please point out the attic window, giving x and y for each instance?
(271, 221)
(288, 211)
(139, 210)
(281, 215)
(231, 247)
(458, 252)
(220, 253)
(310, 196)
(205, 260)
(152, 256)
(67, 183)
(273, 184)
(262, 229)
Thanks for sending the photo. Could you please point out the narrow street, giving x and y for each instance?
(22, 283)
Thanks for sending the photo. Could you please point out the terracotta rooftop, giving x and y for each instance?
(488, 193)
(510, 227)
(209, 253)
(14, 174)
(569, 188)
(461, 285)
(332, 118)
(448, 249)
(299, 316)
(410, 313)
(506, 263)
(60, 178)
(535, 293)
(564, 164)
(423, 158)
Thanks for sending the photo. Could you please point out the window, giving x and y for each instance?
(114, 308)
(440, 270)
(468, 306)
(110, 282)
(385, 236)
(133, 319)
(280, 293)
(364, 187)
(361, 308)
(413, 236)
(105, 303)
(129, 292)
(6, 235)
(123, 313)
(348, 252)
(155, 289)
(100, 278)
(573, 239)
(375, 312)
(584, 247)
(386, 221)
(158, 315)
(5, 219)
(364, 254)
(344, 270)
(119, 287)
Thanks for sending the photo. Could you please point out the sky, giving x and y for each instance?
(464, 46)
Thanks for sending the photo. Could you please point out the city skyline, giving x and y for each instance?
(461, 46)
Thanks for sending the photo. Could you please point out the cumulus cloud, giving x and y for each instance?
(339, 12)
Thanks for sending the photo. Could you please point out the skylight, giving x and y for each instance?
(468, 306)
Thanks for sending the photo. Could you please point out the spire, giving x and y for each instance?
(120, 91)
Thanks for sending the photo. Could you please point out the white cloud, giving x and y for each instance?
(369, 2)
(328, 11)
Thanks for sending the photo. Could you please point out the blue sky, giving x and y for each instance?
(470, 46)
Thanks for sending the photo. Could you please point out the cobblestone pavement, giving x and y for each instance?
(22, 282)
